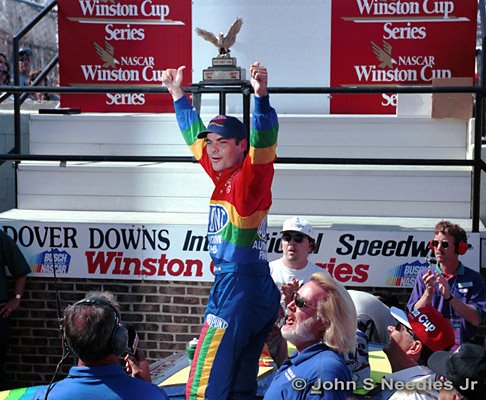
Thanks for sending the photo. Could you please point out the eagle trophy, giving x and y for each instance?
(222, 42)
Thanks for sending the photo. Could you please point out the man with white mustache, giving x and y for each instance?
(321, 324)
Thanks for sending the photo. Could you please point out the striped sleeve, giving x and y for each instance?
(190, 125)
(263, 138)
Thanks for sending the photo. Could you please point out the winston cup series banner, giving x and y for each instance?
(398, 42)
(118, 43)
(180, 252)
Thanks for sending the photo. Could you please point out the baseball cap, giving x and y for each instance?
(465, 368)
(298, 224)
(428, 325)
(226, 126)
(25, 52)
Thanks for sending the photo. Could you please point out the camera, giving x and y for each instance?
(132, 340)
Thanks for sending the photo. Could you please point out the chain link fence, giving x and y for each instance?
(41, 40)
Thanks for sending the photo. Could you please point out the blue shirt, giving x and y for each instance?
(109, 382)
(305, 374)
(467, 285)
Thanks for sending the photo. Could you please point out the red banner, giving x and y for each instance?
(398, 42)
(114, 43)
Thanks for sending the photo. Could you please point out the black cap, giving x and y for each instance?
(465, 368)
(25, 52)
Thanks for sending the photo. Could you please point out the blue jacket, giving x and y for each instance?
(108, 382)
(316, 373)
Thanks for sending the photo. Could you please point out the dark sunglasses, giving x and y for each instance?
(443, 243)
(300, 301)
(298, 237)
(398, 327)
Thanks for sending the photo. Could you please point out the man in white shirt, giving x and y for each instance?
(297, 243)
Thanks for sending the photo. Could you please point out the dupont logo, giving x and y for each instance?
(404, 275)
(43, 262)
(216, 322)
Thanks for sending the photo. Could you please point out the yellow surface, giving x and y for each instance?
(378, 362)
(180, 378)
(379, 365)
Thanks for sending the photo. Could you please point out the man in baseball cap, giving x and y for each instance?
(413, 339)
(465, 369)
(297, 242)
(25, 65)
(236, 321)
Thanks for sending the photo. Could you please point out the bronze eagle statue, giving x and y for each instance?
(222, 42)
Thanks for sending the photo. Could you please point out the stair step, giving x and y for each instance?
(387, 191)
(299, 136)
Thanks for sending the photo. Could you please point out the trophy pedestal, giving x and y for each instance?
(224, 70)
(242, 87)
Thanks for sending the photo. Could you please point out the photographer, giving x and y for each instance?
(93, 332)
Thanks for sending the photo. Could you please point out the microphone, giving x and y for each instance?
(431, 260)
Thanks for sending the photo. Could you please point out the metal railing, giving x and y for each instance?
(476, 163)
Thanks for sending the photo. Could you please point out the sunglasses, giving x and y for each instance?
(300, 301)
(298, 237)
(443, 243)
(398, 327)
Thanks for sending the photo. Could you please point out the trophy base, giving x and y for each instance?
(224, 61)
(223, 73)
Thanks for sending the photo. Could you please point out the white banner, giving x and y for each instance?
(180, 252)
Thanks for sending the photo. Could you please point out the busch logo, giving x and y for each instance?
(218, 218)
(46, 261)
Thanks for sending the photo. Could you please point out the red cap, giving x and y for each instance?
(431, 328)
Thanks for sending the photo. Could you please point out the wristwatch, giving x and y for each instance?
(18, 296)
(449, 298)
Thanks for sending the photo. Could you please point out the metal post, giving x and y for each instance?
(478, 133)
(222, 102)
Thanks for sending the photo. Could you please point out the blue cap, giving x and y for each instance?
(226, 126)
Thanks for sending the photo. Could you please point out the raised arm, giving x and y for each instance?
(172, 79)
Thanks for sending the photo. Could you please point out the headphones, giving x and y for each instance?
(460, 247)
(119, 335)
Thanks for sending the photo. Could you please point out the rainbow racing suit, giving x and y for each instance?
(243, 303)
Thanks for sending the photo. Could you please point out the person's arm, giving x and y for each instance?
(137, 366)
(463, 310)
(18, 268)
(10, 306)
(189, 121)
(466, 311)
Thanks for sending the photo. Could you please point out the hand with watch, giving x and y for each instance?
(6, 309)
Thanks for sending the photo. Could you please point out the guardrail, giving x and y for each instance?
(477, 164)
